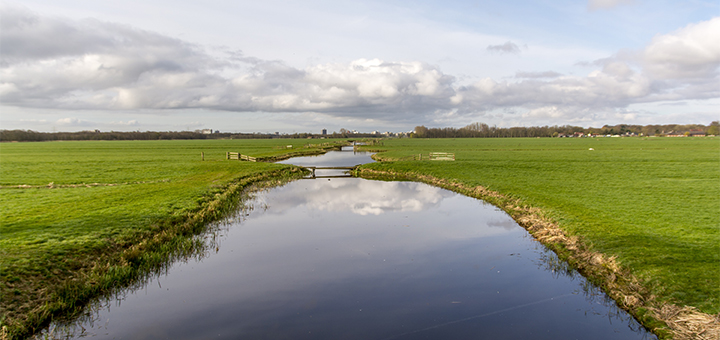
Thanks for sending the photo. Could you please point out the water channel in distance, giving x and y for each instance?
(349, 258)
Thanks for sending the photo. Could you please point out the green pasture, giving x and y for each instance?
(76, 162)
(652, 202)
(130, 183)
(65, 204)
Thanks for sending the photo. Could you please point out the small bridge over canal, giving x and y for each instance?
(346, 173)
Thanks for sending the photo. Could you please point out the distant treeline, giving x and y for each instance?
(481, 130)
(475, 130)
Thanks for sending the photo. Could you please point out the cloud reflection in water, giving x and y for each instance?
(361, 197)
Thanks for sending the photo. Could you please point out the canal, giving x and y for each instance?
(349, 258)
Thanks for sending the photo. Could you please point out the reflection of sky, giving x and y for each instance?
(332, 158)
(380, 260)
(359, 196)
(503, 223)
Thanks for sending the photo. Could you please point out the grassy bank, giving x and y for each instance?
(82, 218)
(651, 203)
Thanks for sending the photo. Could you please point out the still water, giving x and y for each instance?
(346, 157)
(349, 258)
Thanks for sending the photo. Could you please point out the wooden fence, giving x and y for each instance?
(441, 156)
(239, 156)
(433, 156)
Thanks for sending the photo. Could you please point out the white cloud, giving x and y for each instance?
(71, 121)
(364, 198)
(689, 53)
(128, 123)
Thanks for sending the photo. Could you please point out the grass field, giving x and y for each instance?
(70, 206)
(76, 215)
(652, 202)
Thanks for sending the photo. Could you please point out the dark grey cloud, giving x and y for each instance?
(508, 47)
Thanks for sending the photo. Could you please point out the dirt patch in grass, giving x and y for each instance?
(665, 320)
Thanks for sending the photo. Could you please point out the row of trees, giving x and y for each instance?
(482, 130)
(475, 130)
(657, 130)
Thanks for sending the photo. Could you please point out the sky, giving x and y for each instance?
(279, 66)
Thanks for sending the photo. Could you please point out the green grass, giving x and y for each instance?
(52, 236)
(126, 161)
(652, 202)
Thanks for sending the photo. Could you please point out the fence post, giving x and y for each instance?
(227, 155)
(202, 156)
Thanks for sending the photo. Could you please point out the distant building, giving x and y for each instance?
(206, 131)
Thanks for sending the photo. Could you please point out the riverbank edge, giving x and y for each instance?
(130, 261)
(665, 320)
(311, 152)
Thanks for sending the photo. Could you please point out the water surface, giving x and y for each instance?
(346, 158)
(357, 259)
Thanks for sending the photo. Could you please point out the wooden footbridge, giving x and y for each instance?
(348, 168)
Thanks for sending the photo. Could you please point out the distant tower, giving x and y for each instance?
(324, 132)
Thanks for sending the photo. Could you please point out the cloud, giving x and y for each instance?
(51, 62)
(594, 5)
(692, 52)
(546, 74)
(73, 122)
(614, 86)
(507, 47)
(106, 66)
(364, 198)
(678, 66)
(128, 123)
